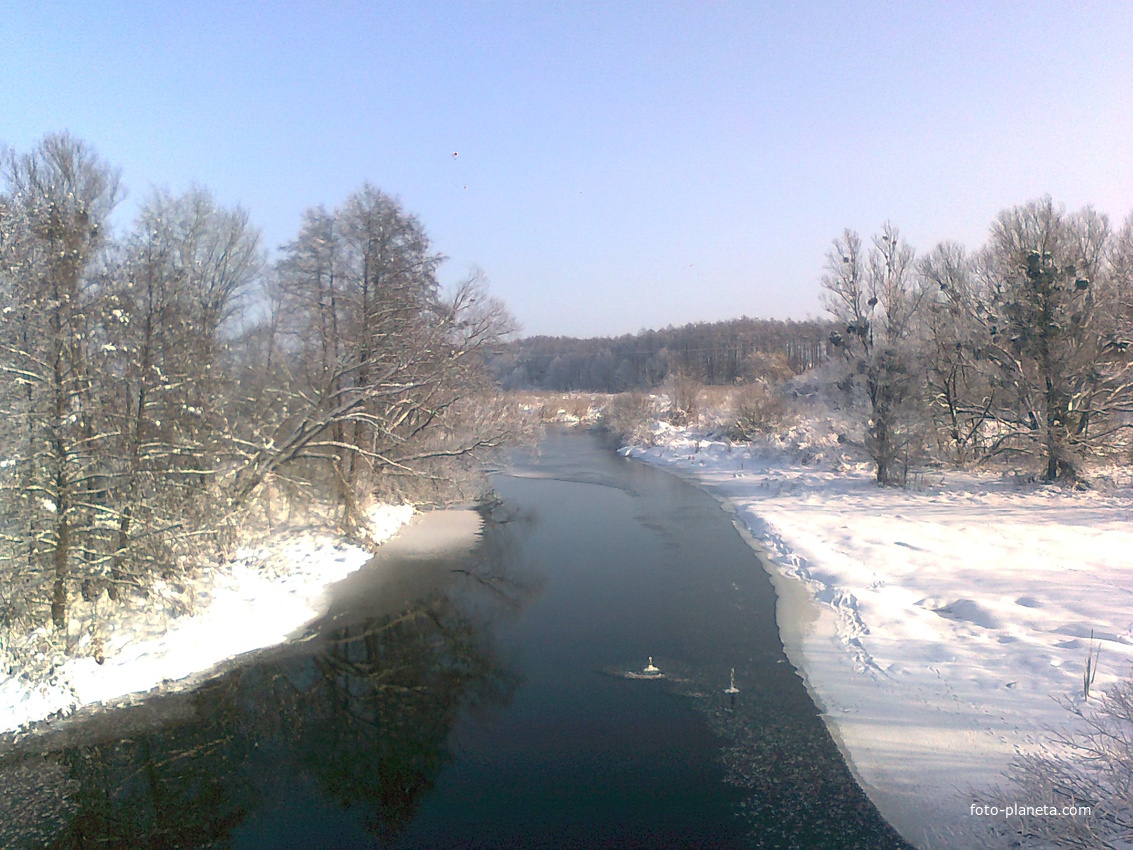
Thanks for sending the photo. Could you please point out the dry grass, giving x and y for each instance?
(716, 396)
(756, 409)
(566, 408)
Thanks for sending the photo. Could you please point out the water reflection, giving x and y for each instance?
(362, 721)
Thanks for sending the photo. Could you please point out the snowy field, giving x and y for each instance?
(942, 628)
(256, 600)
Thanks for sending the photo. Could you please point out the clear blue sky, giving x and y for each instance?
(621, 165)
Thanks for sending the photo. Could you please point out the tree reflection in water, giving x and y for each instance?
(393, 690)
(365, 720)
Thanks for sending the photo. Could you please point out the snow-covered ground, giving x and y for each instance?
(254, 601)
(941, 628)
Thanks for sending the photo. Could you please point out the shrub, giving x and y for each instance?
(684, 399)
(1092, 767)
(756, 409)
(628, 417)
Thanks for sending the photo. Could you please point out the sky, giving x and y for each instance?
(608, 166)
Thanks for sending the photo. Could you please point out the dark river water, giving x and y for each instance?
(489, 697)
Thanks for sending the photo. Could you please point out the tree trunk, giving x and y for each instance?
(881, 431)
(120, 545)
(59, 591)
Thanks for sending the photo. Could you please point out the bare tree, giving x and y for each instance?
(962, 398)
(1115, 329)
(165, 317)
(1118, 284)
(148, 409)
(876, 302)
(57, 200)
(114, 364)
(1054, 331)
(382, 377)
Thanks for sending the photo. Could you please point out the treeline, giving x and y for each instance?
(1022, 349)
(154, 386)
(714, 353)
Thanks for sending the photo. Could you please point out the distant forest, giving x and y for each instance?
(712, 352)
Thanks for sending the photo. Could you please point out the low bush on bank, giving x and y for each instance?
(1089, 772)
(629, 417)
(756, 409)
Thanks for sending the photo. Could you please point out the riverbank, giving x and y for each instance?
(942, 629)
(175, 635)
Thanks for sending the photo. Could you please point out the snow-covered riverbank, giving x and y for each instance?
(254, 601)
(938, 627)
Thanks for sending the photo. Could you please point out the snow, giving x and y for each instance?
(256, 600)
(942, 628)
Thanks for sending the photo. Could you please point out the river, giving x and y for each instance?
(492, 695)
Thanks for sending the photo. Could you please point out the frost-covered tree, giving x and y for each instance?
(1119, 284)
(1024, 347)
(874, 298)
(144, 409)
(1054, 333)
(380, 375)
(961, 396)
(56, 202)
(1115, 295)
(169, 412)
(113, 370)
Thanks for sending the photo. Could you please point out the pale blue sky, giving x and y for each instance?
(621, 165)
